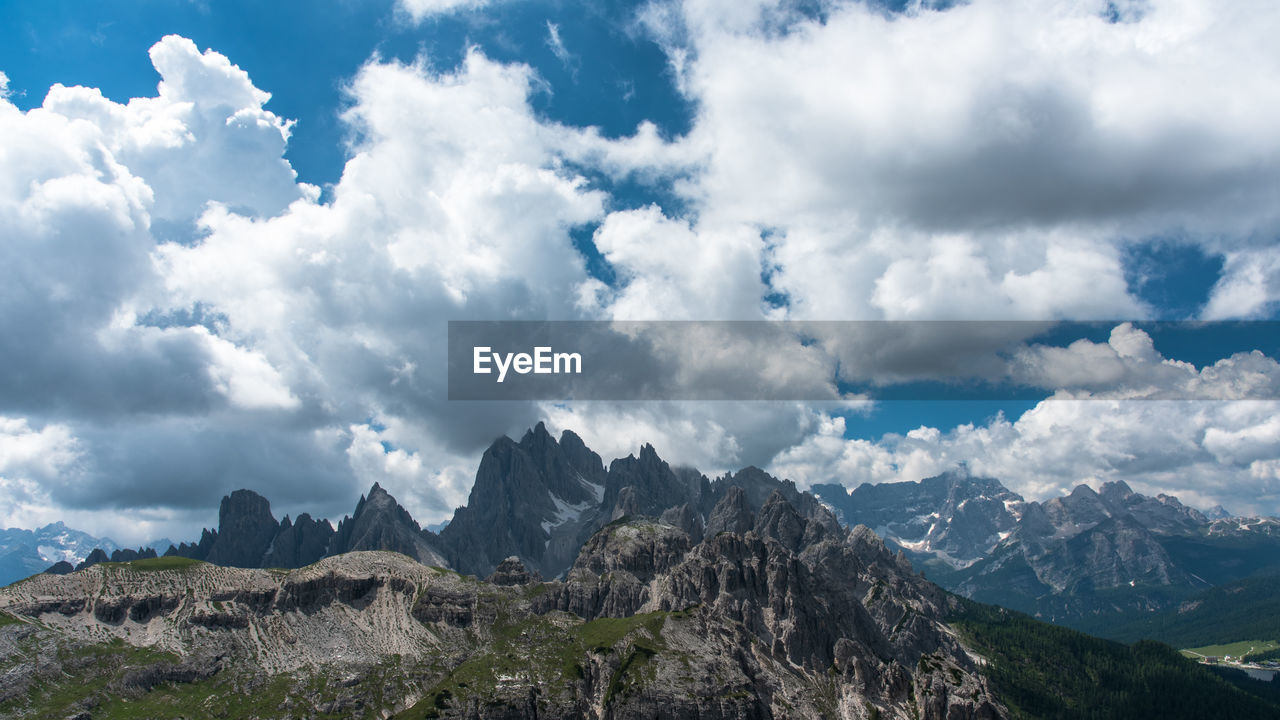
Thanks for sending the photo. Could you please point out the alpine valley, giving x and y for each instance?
(566, 588)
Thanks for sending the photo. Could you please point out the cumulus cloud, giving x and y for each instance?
(984, 160)
(151, 399)
(186, 309)
(30, 454)
(1128, 366)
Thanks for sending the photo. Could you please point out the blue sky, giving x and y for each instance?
(307, 58)
(656, 160)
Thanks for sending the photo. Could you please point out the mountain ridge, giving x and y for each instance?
(783, 618)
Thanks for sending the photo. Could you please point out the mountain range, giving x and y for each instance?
(1089, 559)
(568, 588)
(25, 552)
(768, 608)
(1086, 559)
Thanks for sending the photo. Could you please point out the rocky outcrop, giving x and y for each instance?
(97, 556)
(512, 572)
(62, 567)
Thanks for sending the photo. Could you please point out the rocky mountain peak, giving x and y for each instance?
(580, 456)
(538, 442)
(245, 530)
(732, 514)
(956, 516)
(1083, 493)
(779, 520)
(536, 500)
(378, 500)
(1115, 491)
(1217, 512)
(381, 523)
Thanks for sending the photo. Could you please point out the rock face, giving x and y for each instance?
(785, 618)
(731, 514)
(512, 572)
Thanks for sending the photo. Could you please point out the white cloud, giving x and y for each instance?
(245, 377)
(419, 10)
(988, 161)
(671, 271)
(1128, 366)
(197, 140)
(1249, 287)
(41, 455)
(558, 49)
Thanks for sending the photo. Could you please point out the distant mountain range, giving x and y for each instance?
(1085, 559)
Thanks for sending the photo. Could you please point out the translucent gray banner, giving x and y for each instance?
(827, 361)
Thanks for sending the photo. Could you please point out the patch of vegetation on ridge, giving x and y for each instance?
(169, 562)
(1047, 671)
